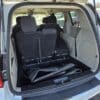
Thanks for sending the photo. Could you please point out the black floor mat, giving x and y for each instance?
(25, 83)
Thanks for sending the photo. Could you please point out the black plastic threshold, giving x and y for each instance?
(68, 93)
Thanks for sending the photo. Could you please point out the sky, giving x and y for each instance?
(95, 0)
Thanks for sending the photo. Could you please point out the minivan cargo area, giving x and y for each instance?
(50, 46)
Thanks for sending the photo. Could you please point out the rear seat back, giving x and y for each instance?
(17, 27)
(27, 39)
(32, 44)
(48, 42)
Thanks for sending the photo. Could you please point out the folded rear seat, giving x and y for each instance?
(35, 46)
(27, 40)
(61, 48)
(48, 42)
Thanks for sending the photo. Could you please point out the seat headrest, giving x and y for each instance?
(18, 20)
(52, 18)
(28, 24)
(45, 20)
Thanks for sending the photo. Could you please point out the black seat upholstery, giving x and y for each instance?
(52, 18)
(32, 44)
(48, 42)
(60, 46)
(17, 27)
(27, 39)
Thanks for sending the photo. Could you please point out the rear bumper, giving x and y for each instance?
(87, 94)
(91, 92)
(81, 92)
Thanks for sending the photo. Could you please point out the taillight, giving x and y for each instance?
(1, 81)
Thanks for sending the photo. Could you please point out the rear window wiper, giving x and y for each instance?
(52, 74)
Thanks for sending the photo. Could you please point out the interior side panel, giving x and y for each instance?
(13, 67)
(87, 49)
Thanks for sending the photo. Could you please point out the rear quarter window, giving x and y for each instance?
(75, 18)
(60, 19)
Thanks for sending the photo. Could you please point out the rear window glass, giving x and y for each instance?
(60, 18)
(38, 18)
(75, 18)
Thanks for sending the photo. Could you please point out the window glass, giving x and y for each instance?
(60, 19)
(38, 18)
(75, 18)
(14, 18)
